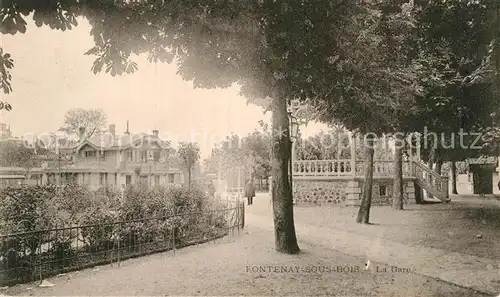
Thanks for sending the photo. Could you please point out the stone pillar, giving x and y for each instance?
(45, 179)
(386, 148)
(353, 193)
(498, 166)
(58, 179)
(410, 191)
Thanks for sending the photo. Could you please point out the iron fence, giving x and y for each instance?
(35, 255)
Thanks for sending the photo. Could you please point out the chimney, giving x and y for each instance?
(81, 133)
(112, 129)
(155, 133)
(127, 132)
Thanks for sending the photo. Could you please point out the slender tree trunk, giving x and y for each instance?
(454, 178)
(430, 161)
(439, 165)
(189, 179)
(284, 228)
(397, 199)
(366, 201)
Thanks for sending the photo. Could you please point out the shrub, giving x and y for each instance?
(146, 206)
(150, 215)
(160, 202)
(109, 196)
(62, 251)
(133, 205)
(73, 200)
(97, 228)
(25, 210)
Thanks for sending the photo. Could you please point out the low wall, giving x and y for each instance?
(337, 191)
(383, 198)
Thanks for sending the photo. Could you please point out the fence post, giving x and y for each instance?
(40, 253)
(242, 214)
(214, 214)
(238, 217)
(120, 228)
(173, 229)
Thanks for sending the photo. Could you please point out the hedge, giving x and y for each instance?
(47, 229)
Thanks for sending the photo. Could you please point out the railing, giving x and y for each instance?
(35, 255)
(432, 182)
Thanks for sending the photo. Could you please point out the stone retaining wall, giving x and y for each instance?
(347, 192)
(320, 192)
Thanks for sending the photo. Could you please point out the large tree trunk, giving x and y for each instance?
(366, 201)
(454, 178)
(284, 228)
(397, 195)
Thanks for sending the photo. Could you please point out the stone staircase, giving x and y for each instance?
(435, 184)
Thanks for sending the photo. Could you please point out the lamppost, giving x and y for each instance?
(294, 131)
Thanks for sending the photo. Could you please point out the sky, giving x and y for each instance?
(52, 75)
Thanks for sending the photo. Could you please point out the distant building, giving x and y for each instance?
(5, 132)
(111, 160)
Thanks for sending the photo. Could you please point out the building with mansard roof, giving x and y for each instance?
(110, 159)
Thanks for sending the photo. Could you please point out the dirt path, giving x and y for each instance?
(467, 225)
(237, 266)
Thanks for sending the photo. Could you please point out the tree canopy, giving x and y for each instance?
(375, 66)
(93, 120)
(252, 153)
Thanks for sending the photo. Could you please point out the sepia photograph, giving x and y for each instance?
(343, 148)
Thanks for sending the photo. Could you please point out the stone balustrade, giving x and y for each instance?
(333, 181)
(343, 168)
(322, 168)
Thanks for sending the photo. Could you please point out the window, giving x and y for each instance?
(144, 156)
(156, 156)
(90, 154)
(157, 180)
(171, 178)
(128, 179)
(102, 179)
(129, 156)
(102, 156)
(382, 191)
(116, 178)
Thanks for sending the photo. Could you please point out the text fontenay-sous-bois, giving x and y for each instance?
(320, 269)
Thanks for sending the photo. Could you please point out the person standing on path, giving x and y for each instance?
(211, 189)
(249, 191)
